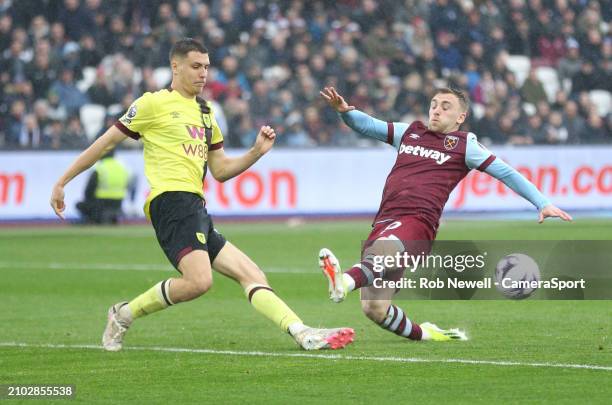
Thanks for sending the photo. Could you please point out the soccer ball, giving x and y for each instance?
(515, 274)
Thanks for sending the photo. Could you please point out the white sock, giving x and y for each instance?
(296, 327)
(125, 315)
(348, 281)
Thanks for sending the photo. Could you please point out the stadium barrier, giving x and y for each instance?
(322, 182)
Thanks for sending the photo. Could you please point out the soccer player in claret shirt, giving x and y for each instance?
(181, 138)
(431, 160)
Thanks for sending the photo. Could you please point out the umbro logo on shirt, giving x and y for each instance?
(415, 136)
(175, 114)
(418, 150)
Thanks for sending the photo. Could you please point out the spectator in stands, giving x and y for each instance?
(56, 110)
(89, 54)
(556, 132)
(585, 104)
(488, 127)
(230, 69)
(57, 40)
(41, 113)
(296, 47)
(100, 91)
(445, 15)
(296, 136)
(570, 64)
(31, 135)
(535, 130)
(532, 90)
(15, 124)
(574, 123)
(376, 44)
(75, 19)
(13, 61)
(53, 133)
(40, 72)
(595, 130)
(519, 41)
(68, 94)
(6, 27)
(561, 98)
(447, 54)
(73, 137)
(586, 79)
(591, 46)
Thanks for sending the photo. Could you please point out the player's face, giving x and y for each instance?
(445, 113)
(192, 71)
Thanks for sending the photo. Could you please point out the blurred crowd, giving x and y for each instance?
(271, 58)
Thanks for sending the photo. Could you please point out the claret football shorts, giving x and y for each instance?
(405, 234)
(183, 225)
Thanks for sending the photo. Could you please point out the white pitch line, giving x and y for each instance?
(318, 356)
(120, 266)
(82, 266)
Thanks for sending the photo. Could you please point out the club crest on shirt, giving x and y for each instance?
(131, 112)
(450, 142)
(201, 237)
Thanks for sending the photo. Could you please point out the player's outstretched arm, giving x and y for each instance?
(335, 100)
(550, 211)
(84, 161)
(526, 189)
(224, 167)
(358, 121)
(479, 157)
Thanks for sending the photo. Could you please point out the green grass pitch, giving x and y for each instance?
(57, 284)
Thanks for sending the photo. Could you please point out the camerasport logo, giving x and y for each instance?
(12, 187)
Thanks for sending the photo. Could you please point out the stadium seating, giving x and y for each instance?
(529, 109)
(549, 78)
(478, 110)
(92, 116)
(519, 65)
(602, 100)
(162, 76)
(89, 77)
(129, 57)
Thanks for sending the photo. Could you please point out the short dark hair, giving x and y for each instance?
(464, 99)
(182, 47)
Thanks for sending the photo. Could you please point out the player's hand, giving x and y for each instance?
(57, 200)
(265, 140)
(554, 212)
(335, 100)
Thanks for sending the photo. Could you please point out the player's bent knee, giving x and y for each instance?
(198, 286)
(375, 310)
(386, 247)
(202, 285)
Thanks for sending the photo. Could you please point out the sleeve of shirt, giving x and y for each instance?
(517, 182)
(480, 158)
(397, 130)
(362, 123)
(477, 156)
(216, 141)
(137, 118)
